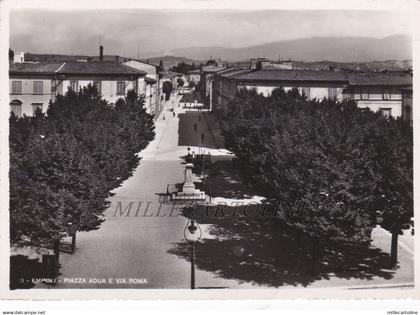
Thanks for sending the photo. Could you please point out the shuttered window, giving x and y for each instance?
(386, 94)
(38, 87)
(74, 85)
(306, 92)
(35, 107)
(364, 93)
(16, 87)
(16, 108)
(97, 85)
(121, 88)
(332, 93)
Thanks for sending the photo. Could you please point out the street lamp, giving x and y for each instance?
(192, 234)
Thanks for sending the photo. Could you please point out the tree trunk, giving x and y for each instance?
(56, 248)
(73, 242)
(394, 248)
(315, 255)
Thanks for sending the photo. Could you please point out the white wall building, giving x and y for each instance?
(33, 85)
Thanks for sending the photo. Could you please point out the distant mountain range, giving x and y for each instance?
(340, 49)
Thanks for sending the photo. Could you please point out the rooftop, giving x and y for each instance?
(195, 71)
(319, 76)
(106, 68)
(212, 68)
(82, 68)
(39, 67)
(379, 79)
(291, 75)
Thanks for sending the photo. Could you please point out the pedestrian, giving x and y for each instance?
(195, 127)
(173, 114)
(202, 137)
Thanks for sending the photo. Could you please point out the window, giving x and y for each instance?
(386, 94)
(306, 92)
(121, 88)
(386, 112)
(35, 107)
(16, 87)
(16, 108)
(74, 85)
(38, 87)
(332, 93)
(97, 85)
(364, 93)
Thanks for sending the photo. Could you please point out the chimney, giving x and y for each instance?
(101, 53)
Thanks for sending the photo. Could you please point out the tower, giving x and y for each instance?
(101, 51)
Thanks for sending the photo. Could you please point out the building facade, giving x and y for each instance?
(377, 91)
(206, 83)
(34, 85)
(150, 87)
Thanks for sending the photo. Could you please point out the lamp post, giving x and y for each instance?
(192, 234)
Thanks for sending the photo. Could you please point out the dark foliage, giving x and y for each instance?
(64, 164)
(345, 164)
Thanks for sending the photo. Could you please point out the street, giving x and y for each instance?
(137, 244)
(137, 247)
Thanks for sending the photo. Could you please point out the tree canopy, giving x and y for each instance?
(345, 164)
(64, 164)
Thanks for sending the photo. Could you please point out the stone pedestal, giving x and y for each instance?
(188, 188)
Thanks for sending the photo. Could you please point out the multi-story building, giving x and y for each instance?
(151, 89)
(376, 91)
(33, 85)
(407, 104)
(206, 83)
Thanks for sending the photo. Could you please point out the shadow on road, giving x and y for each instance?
(223, 180)
(194, 131)
(263, 252)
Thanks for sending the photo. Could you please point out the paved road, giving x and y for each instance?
(136, 247)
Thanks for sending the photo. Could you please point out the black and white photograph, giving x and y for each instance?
(209, 149)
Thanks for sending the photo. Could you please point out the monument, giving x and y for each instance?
(189, 192)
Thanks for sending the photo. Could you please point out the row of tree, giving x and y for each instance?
(184, 68)
(64, 164)
(348, 166)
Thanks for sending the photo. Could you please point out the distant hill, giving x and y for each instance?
(340, 49)
(169, 61)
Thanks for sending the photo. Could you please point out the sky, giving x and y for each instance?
(125, 32)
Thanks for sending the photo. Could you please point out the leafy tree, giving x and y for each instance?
(333, 157)
(180, 82)
(183, 67)
(63, 165)
(211, 62)
(191, 84)
(167, 88)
